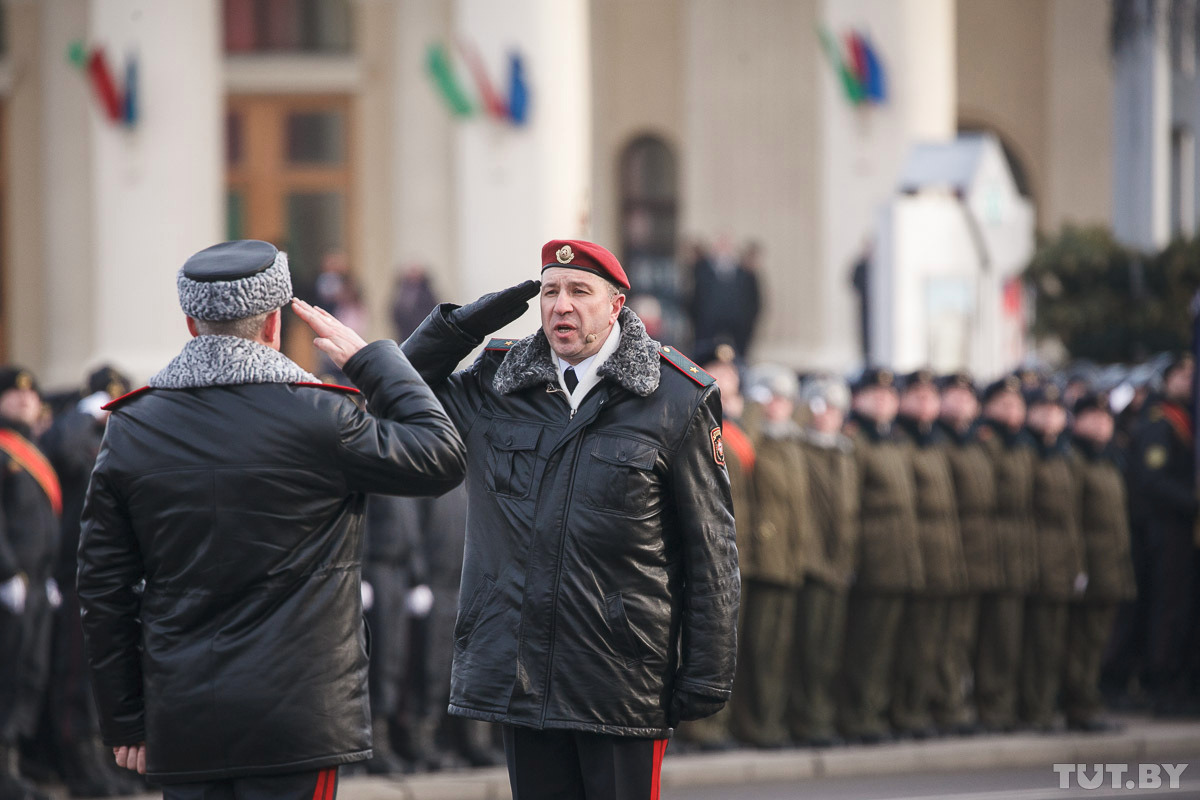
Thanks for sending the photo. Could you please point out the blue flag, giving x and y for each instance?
(518, 92)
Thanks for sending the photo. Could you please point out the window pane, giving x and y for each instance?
(233, 138)
(315, 224)
(241, 32)
(316, 137)
(287, 26)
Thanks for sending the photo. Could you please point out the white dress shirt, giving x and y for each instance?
(585, 370)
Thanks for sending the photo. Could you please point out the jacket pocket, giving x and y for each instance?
(511, 458)
(624, 639)
(468, 616)
(621, 477)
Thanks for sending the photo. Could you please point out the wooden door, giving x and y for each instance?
(289, 167)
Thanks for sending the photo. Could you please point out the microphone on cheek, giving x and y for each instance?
(591, 337)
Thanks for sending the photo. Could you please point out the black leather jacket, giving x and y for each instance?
(600, 572)
(241, 507)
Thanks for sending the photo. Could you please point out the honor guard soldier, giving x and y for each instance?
(1163, 464)
(1059, 576)
(30, 506)
(830, 544)
(219, 558)
(1104, 524)
(1002, 612)
(712, 733)
(922, 644)
(975, 499)
(889, 567)
(600, 582)
(71, 444)
(771, 566)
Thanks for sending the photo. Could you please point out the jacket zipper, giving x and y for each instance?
(552, 389)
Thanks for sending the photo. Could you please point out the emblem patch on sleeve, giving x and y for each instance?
(718, 446)
(1156, 456)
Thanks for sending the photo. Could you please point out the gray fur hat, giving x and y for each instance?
(234, 280)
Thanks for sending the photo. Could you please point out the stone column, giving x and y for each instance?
(156, 189)
(518, 187)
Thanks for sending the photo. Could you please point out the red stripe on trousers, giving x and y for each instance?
(660, 750)
(319, 794)
(331, 783)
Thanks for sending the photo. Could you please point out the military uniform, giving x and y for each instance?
(1105, 527)
(1057, 580)
(772, 572)
(740, 458)
(923, 631)
(829, 554)
(1163, 468)
(974, 479)
(889, 567)
(1001, 612)
(30, 505)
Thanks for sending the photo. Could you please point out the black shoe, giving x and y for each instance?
(384, 761)
(1093, 725)
(821, 742)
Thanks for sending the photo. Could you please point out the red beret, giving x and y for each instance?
(587, 256)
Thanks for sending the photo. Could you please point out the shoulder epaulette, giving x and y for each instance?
(503, 345)
(333, 386)
(685, 365)
(112, 404)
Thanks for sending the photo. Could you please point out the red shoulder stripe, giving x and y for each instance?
(29, 458)
(111, 404)
(334, 386)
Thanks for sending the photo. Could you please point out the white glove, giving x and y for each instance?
(419, 601)
(1081, 583)
(12, 594)
(368, 596)
(52, 593)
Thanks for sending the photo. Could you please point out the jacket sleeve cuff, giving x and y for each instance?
(353, 368)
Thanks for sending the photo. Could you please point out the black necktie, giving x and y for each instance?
(570, 379)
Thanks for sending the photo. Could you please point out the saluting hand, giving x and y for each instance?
(334, 338)
(131, 757)
(493, 311)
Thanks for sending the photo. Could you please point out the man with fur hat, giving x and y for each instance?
(231, 490)
(771, 563)
(889, 565)
(829, 559)
(600, 582)
(30, 506)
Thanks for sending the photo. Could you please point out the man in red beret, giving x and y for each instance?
(600, 584)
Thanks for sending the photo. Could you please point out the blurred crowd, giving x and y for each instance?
(923, 556)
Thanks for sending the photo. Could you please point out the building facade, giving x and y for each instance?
(325, 125)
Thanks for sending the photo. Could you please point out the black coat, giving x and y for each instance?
(71, 444)
(241, 507)
(600, 571)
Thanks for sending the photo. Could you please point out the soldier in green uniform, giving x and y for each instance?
(889, 562)
(1059, 576)
(829, 548)
(923, 630)
(1001, 612)
(1104, 522)
(974, 478)
(771, 567)
(712, 733)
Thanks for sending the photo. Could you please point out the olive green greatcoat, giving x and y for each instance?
(938, 533)
(974, 476)
(1012, 461)
(1104, 522)
(830, 542)
(889, 550)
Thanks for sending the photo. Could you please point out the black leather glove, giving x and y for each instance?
(493, 311)
(686, 706)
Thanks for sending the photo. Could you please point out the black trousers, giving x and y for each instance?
(573, 765)
(319, 784)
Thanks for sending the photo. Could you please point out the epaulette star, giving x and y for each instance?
(685, 365)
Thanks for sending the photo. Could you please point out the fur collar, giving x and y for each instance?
(227, 361)
(634, 366)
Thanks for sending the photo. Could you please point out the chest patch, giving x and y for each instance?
(718, 446)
